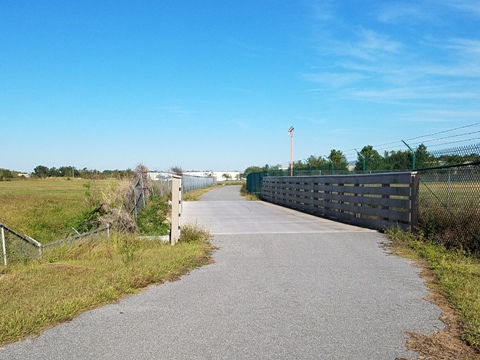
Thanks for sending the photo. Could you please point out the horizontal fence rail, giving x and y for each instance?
(378, 201)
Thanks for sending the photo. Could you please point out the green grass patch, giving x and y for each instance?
(248, 195)
(457, 276)
(195, 194)
(70, 279)
(47, 209)
(152, 219)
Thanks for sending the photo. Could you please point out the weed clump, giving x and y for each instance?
(154, 218)
(191, 233)
(454, 228)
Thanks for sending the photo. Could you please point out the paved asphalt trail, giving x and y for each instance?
(284, 285)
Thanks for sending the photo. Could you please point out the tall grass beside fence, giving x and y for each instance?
(449, 206)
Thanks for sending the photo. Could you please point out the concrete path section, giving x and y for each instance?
(329, 292)
(235, 215)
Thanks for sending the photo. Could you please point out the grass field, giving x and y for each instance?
(41, 291)
(46, 209)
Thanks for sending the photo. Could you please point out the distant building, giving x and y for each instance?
(219, 175)
(232, 175)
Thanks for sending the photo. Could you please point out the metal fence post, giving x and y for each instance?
(414, 201)
(176, 208)
(4, 247)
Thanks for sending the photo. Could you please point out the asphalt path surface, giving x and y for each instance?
(284, 285)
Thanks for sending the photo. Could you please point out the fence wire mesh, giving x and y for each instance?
(17, 248)
(456, 155)
(162, 182)
(449, 194)
(449, 205)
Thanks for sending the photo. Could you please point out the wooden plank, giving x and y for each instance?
(379, 224)
(391, 190)
(386, 178)
(370, 211)
(388, 197)
(374, 201)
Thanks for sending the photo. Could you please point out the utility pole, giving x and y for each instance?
(291, 131)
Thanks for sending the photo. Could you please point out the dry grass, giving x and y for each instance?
(454, 281)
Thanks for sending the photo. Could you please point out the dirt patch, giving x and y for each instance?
(445, 344)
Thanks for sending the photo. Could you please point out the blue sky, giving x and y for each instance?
(215, 84)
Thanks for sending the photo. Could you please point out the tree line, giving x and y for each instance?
(369, 159)
(42, 172)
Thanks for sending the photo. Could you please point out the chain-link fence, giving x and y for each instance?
(449, 205)
(141, 190)
(16, 247)
(455, 156)
(449, 194)
(162, 182)
(22, 248)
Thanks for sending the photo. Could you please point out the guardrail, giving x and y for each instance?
(377, 201)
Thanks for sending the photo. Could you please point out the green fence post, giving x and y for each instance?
(413, 155)
(332, 170)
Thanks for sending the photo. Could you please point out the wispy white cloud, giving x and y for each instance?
(403, 12)
(368, 45)
(471, 7)
(335, 80)
(412, 93)
(442, 115)
(322, 11)
(424, 11)
(402, 54)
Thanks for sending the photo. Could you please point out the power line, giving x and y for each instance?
(455, 142)
(447, 137)
(444, 131)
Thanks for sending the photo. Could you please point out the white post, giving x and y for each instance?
(176, 208)
(4, 247)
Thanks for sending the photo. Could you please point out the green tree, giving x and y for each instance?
(423, 159)
(40, 171)
(54, 172)
(66, 171)
(373, 160)
(253, 169)
(339, 160)
(397, 160)
(5, 174)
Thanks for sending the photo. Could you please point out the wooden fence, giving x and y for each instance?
(377, 201)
